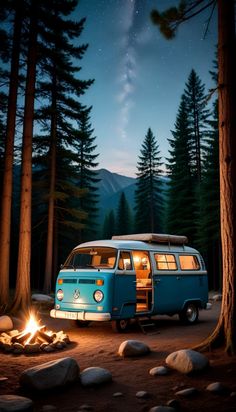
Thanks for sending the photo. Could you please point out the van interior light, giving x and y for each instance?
(99, 282)
(60, 281)
(137, 259)
(93, 252)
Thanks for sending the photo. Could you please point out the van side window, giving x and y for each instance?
(165, 262)
(124, 261)
(189, 262)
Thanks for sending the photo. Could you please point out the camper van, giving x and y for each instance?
(131, 276)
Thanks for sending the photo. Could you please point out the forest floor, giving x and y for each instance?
(97, 345)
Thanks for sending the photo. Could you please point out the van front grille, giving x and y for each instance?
(69, 280)
(87, 281)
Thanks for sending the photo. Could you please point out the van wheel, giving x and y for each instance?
(121, 325)
(81, 323)
(189, 314)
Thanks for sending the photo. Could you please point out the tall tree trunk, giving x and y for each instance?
(51, 201)
(225, 331)
(8, 160)
(22, 292)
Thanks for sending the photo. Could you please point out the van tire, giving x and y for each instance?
(189, 315)
(121, 325)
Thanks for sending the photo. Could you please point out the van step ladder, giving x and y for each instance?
(147, 326)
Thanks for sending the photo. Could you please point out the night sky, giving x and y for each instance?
(139, 76)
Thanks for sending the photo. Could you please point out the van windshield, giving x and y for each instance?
(96, 257)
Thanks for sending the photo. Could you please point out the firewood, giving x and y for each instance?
(46, 337)
(20, 338)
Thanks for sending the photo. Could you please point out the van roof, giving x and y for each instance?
(127, 243)
(154, 237)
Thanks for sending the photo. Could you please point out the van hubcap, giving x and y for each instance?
(191, 313)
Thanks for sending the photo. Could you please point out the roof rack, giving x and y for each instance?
(154, 238)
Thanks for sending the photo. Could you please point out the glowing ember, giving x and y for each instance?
(34, 338)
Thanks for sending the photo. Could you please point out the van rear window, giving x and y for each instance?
(165, 262)
(189, 262)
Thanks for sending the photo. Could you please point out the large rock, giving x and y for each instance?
(5, 323)
(51, 374)
(95, 376)
(41, 298)
(133, 348)
(187, 361)
(13, 403)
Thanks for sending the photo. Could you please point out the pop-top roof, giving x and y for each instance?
(154, 238)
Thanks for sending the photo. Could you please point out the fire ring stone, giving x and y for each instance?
(14, 403)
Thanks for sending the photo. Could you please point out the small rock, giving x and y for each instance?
(161, 408)
(117, 394)
(216, 387)
(217, 297)
(95, 376)
(5, 323)
(86, 407)
(18, 348)
(174, 403)
(51, 374)
(133, 348)
(159, 370)
(3, 379)
(14, 403)
(187, 392)
(187, 360)
(233, 394)
(48, 348)
(142, 394)
(32, 348)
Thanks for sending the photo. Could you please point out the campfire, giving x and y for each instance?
(34, 338)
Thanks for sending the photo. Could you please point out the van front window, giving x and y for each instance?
(96, 257)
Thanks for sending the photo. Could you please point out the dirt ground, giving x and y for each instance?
(97, 345)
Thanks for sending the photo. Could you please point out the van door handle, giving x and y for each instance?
(178, 277)
(157, 280)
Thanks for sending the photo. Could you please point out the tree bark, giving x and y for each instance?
(8, 159)
(51, 201)
(225, 332)
(22, 297)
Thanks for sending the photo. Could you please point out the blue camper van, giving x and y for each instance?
(131, 276)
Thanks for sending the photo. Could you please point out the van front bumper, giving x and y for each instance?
(62, 314)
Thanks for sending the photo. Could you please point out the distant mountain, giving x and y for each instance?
(111, 183)
(110, 188)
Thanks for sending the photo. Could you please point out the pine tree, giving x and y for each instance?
(209, 225)
(148, 193)
(6, 202)
(87, 176)
(61, 108)
(109, 225)
(225, 331)
(198, 114)
(123, 218)
(22, 296)
(181, 193)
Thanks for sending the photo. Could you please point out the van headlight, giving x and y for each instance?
(98, 295)
(60, 294)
